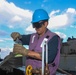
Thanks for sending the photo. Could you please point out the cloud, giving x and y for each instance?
(54, 12)
(64, 19)
(73, 26)
(8, 39)
(3, 33)
(5, 40)
(62, 35)
(11, 15)
(16, 19)
(71, 10)
(30, 28)
(1, 40)
(5, 51)
(58, 21)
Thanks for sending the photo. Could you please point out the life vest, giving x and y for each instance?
(36, 45)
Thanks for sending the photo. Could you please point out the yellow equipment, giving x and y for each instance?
(29, 70)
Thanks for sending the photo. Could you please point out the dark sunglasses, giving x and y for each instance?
(38, 24)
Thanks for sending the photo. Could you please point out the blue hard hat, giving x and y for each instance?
(39, 15)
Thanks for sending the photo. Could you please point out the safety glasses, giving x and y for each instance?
(38, 24)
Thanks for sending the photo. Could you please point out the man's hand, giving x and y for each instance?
(15, 35)
(19, 49)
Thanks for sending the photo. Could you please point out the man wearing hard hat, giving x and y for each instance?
(34, 53)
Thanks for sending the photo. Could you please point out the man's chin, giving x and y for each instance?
(38, 33)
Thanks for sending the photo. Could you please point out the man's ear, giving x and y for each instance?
(46, 24)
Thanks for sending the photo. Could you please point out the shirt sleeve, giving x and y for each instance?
(25, 39)
(52, 49)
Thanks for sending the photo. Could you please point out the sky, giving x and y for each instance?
(16, 16)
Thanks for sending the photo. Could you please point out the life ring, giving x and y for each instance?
(29, 70)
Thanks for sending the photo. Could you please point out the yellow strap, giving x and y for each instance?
(29, 70)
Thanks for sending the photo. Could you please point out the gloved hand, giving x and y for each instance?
(15, 35)
(19, 49)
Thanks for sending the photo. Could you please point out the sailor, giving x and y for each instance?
(34, 53)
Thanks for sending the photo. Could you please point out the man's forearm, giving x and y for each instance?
(34, 54)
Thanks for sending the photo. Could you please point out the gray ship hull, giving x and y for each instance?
(68, 62)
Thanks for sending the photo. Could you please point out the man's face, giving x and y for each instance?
(40, 30)
(40, 27)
